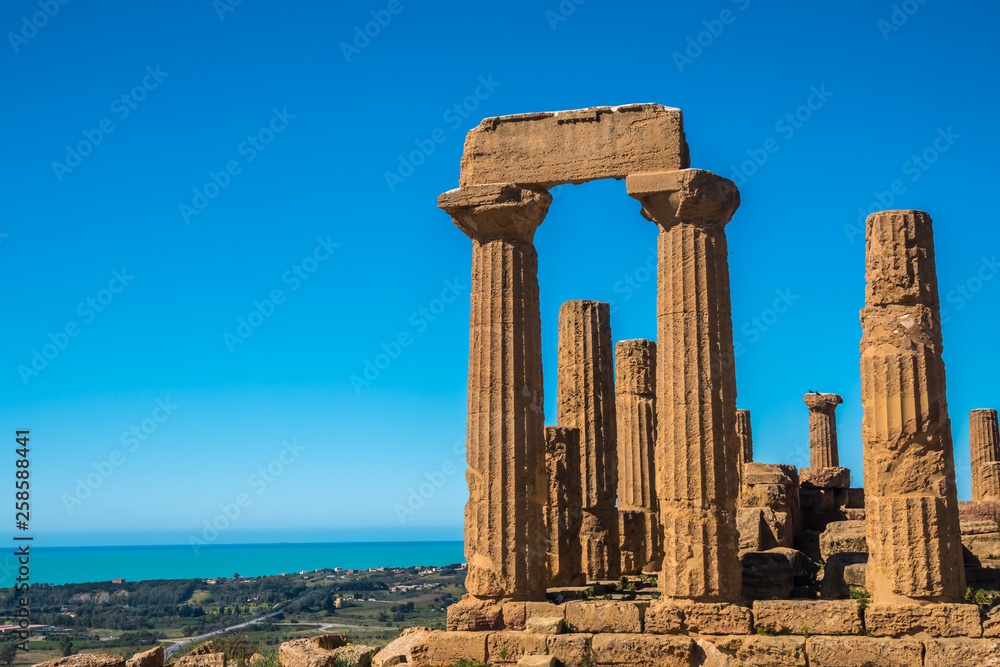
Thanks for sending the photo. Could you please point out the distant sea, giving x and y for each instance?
(63, 565)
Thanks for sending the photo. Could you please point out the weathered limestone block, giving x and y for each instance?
(804, 570)
(219, 660)
(984, 448)
(747, 650)
(447, 648)
(507, 648)
(937, 620)
(571, 649)
(696, 449)
(843, 537)
(537, 661)
(399, 650)
(667, 617)
(545, 625)
(840, 575)
(472, 614)
(766, 575)
(989, 480)
(991, 624)
(915, 553)
(151, 658)
(505, 543)
(630, 649)
(85, 660)
(635, 380)
(551, 148)
(769, 473)
(320, 651)
(586, 401)
(962, 652)
(825, 478)
(823, 451)
(855, 651)
(814, 617)
(605, 616)
(563, 512)
(516, 615)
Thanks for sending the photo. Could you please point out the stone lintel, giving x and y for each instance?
(552, 148)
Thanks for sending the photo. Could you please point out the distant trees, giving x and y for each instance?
(7, 653)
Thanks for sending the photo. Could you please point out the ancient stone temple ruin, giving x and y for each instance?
(639, 529)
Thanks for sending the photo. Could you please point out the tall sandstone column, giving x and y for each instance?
(563, 511)
(915, 552)
(984, 446)
(504, 534)
(586, 401)
(744, 439)
(823, 429)
(696, 446)
(639, 525)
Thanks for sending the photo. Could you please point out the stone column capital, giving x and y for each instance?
(497, 210)
(822, 402)
(693, 196)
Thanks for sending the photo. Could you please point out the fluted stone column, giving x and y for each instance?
(639, 523)
(586, 401)
(564, 509)
(984, 446)
(915, 551)
(504, 534)
(823, 429)
(744, 434)
(697, 452)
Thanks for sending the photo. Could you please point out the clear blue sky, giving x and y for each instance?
(300, 133)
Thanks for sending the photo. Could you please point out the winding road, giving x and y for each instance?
(179, 645)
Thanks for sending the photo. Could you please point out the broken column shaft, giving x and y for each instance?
(639, 525)
(915, 550)
(586, 401)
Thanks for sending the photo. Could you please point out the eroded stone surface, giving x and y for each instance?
(962, 652)
(855, 651)
(823, 451)
(707, 618)
(85, 660)
(814, 617)
(472, 614)
(551, 148)
(447, 648)
(843, 537)
(626, 649)
(152, 658)
(604, 616)
(937, 620)
(586, 401)
(825, 478)
(399, 650)
(911, 502)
